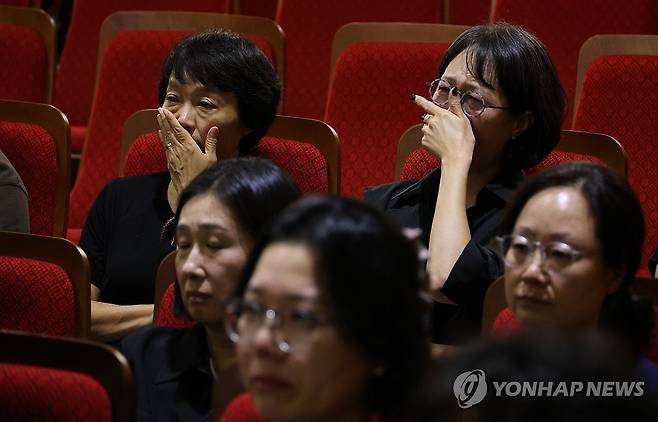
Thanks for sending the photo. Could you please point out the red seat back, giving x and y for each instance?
(33, 153)
(25, 68)
(166, 316)
(619, 97)
(564, 25)
(310, 27)
(36, 297)
(30, 393)
(370, 109)
(469, 12)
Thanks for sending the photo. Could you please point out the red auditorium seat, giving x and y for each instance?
(165, 279)
(310, 27)
(27, 54)
(377, 66)
(414, 162)
(137, 45)
(564, 25)
(74, 88)
(617, 94)
(305, 148)
(44, 285)
(467, 12)
(63, 380)
(35, 139)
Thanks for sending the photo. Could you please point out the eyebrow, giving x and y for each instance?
(290, 297)
(553, 237)
(203, 226)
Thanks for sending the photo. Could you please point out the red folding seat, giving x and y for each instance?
(467, 12)
(564, 25)
(310, 27)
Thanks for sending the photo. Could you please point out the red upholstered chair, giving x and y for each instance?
(242, 409)
(310, 27)
(564, 25)
(35, 139)
(27, 54)
(414, 162)
(264, 8)
(21, 3)
(165, 279)
(133, 46)
(618, 94)
(377, 66)
(44, 285)
(466, 12)
(74, 88)
(305, 148)
(63, 380)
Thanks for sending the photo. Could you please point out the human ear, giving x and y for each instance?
(523, 122)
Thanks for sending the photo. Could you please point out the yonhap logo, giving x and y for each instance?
(470, 388)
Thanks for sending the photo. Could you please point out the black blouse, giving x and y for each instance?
(123, 238)
(411, 204)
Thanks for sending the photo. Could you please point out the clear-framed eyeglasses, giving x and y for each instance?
(518, 252)
(290, 328)
(471, 101)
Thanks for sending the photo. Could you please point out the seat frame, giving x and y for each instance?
(310, 131)
(165, 275)
(102, 363)
(53, 121)
(604, 147)
(43, 24)
(64, 254)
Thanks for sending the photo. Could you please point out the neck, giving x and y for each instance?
(222, 350)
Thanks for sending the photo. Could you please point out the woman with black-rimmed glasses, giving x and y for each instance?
(495, 107)
(572, 245)
(329, 318)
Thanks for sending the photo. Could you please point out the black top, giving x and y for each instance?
(411, 203)
(171, 373)
(123, 238)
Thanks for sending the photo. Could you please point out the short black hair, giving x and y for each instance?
(227, 62)
(510, 58)
(254, 190)
(369, 273)
(619, 229)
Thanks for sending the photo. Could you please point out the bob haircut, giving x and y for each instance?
(254, 190)
(369, 275)
(619, 230)
(516, 63)
(226, 62)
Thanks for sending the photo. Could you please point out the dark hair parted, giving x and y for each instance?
(368, 273)
(227, 62)
(619, 230)
(516, 63)
(254, 190)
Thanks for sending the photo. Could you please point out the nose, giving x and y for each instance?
(267, 339)
(535, 269)
(192, 266)
(185, 116)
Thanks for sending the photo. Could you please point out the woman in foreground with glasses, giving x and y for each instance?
(573, 248)
(328, 317)
(219, 217)
(496, 107)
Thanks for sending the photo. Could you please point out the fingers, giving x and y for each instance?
(211, 143)
(174, 125)
(168, 135)
(454, 104)
(426, 105)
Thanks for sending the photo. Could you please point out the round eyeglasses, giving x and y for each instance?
(290, 327)
(471, 101)
(518, 252)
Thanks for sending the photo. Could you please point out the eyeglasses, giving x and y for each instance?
(244, 318)
(471, 101)
(518, 251)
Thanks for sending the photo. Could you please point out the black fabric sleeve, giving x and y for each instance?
(14, 212)
(94, 238)
(476, 268)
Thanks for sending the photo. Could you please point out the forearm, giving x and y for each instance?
(111, 322)
(450, 231)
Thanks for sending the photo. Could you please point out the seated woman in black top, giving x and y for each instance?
(496, 108)
(218, 93)
(219, 217)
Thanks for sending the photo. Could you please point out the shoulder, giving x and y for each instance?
(8, 175)
(146, 341)
(138, 184)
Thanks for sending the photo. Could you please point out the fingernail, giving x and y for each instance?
(159, 109)
(413, 97)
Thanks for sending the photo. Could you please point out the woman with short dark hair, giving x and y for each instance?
(219, 217)
(219, 94)
(328, 317)
(496, 108)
